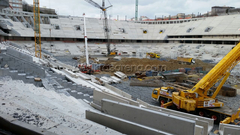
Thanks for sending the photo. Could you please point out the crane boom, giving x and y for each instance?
(197, 97)
(218, 72)
(93, 3)
(37, 32)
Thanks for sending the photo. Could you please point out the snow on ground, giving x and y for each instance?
(47, 109)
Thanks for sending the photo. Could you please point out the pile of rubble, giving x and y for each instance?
(132, 65)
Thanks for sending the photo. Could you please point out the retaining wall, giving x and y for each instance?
(99, 95)
(118, 91)
(123, 126)
(227, 129)
(201, 121)
(149, 118)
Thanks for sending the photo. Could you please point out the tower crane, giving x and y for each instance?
(105, 21)
(37, 32)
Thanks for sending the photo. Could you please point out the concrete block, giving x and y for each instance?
(227, 129)
(118, 91)
(199, 130)
(153, 119)
(231, 131)
(131, 102)
(123, 126)
(200, 120)
(98, 96)
(98, 107)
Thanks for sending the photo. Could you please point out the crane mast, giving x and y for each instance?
(105, 27)
(105, 21)
(37, 32)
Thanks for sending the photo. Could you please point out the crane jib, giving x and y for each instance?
(219, 71)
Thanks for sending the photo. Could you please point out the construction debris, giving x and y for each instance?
(133, 65)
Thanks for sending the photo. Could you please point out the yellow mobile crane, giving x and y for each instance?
(198, 99)
(37, 32)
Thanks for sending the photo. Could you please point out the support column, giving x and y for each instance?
(136, 11)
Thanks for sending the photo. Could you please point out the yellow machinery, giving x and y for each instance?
(113, 53)
(163, 94)
(37, 32)
(153, 55)
(186, 60)
(198, 99)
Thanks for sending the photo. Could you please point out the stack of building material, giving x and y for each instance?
(106, 80)
(116, 80)
(120, 75)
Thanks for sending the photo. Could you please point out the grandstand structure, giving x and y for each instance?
(55, 97)
(126, 35)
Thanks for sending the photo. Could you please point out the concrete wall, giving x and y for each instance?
(118, 91)
(201, 121)
(227, 129)
(123, 126)
(153, 119)
(99, 95)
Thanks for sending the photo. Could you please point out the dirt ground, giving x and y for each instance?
(131, 65)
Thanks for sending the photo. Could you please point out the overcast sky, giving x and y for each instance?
(148, 8)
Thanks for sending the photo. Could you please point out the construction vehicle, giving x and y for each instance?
(163, 94)
(199, 100)
(113, 51)
(86, 69)
(185, 60)
(153, 55)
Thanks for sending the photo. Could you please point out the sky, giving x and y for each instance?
(122, 8)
